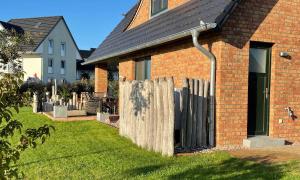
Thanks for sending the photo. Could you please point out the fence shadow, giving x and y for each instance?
(229, 169)
(138, 98)
(233, 169)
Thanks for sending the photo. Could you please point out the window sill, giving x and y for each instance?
(158, 14)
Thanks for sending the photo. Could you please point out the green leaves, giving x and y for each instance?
(11, 99)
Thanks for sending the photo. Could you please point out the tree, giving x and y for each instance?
(12, 45)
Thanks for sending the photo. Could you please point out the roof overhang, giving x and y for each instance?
(201, 28)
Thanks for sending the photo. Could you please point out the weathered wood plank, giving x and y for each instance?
(155, 115)
(204, 130)
(151, 117)
(160, 114)
(200, 114)
(183, 131)
(171, 120)
(165, 120)
(190, 115)
(195, 111)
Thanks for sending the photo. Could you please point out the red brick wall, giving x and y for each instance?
(179, 60)
(127, 69)
(101, 79)
(274, 21)
(144, 10)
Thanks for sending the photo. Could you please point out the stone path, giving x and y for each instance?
(269, 155)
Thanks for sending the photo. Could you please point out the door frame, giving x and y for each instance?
(268, 46)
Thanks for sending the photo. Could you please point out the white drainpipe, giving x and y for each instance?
(212, 58)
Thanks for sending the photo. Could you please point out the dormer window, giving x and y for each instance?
(158, 6)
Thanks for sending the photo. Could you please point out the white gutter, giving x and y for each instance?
(212, 58)
(170, 38)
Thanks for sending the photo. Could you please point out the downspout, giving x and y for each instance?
(212, 58)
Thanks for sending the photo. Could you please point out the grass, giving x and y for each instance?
(90, 150)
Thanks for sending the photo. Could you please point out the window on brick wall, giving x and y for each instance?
(143, 68)
(158, 6)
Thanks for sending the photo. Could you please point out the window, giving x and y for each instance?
(62, 67)
(158, 6)
(143, 69)
(63, 81)
(50, 66)
(63, 49)
(50, 80)
(50, 46)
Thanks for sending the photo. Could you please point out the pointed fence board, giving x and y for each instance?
(147, 116)
(194, 121)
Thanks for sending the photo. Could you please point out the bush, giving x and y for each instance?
(82, 86)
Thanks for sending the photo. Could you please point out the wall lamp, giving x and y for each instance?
(285, 55)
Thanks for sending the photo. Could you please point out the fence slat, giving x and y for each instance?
(190, 114)
(171, 120)
(165, 120)
(159, 117)
(200, 114)
(184, 115)
(151, 117)
(195, 111)
(204, 130)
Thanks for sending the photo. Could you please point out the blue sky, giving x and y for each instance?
(90, 21)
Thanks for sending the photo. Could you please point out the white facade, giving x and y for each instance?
(59, 35)
(63, 55)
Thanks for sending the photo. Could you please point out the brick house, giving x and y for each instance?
(256, 45)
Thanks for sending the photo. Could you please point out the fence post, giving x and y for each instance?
(165, 119)
(200, 118)
(171, 120)
(205, 119)
(195, 112)
(190, 114)
(184, 115)
(151, 116)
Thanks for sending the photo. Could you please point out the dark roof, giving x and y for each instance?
(80, 67)
(86, 53)
(38, 28)
(177, 20)
(11, 27)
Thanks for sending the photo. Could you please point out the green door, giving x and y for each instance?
(259, 89)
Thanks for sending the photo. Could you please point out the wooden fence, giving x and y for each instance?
(193, 115)
(147, 114)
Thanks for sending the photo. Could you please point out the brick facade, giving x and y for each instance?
(101, 81)
(143, 13)
(273, 21)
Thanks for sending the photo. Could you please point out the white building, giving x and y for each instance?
(54, 52)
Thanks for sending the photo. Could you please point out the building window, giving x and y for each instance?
(50, 46)
(50, 66)
(158, 6)
(62, 67)
(50, 80)
(143, 69)
(63, 49)
(63, 81)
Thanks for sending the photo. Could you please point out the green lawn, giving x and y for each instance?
(90, 150)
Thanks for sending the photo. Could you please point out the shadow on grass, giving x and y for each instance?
(228, 169)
